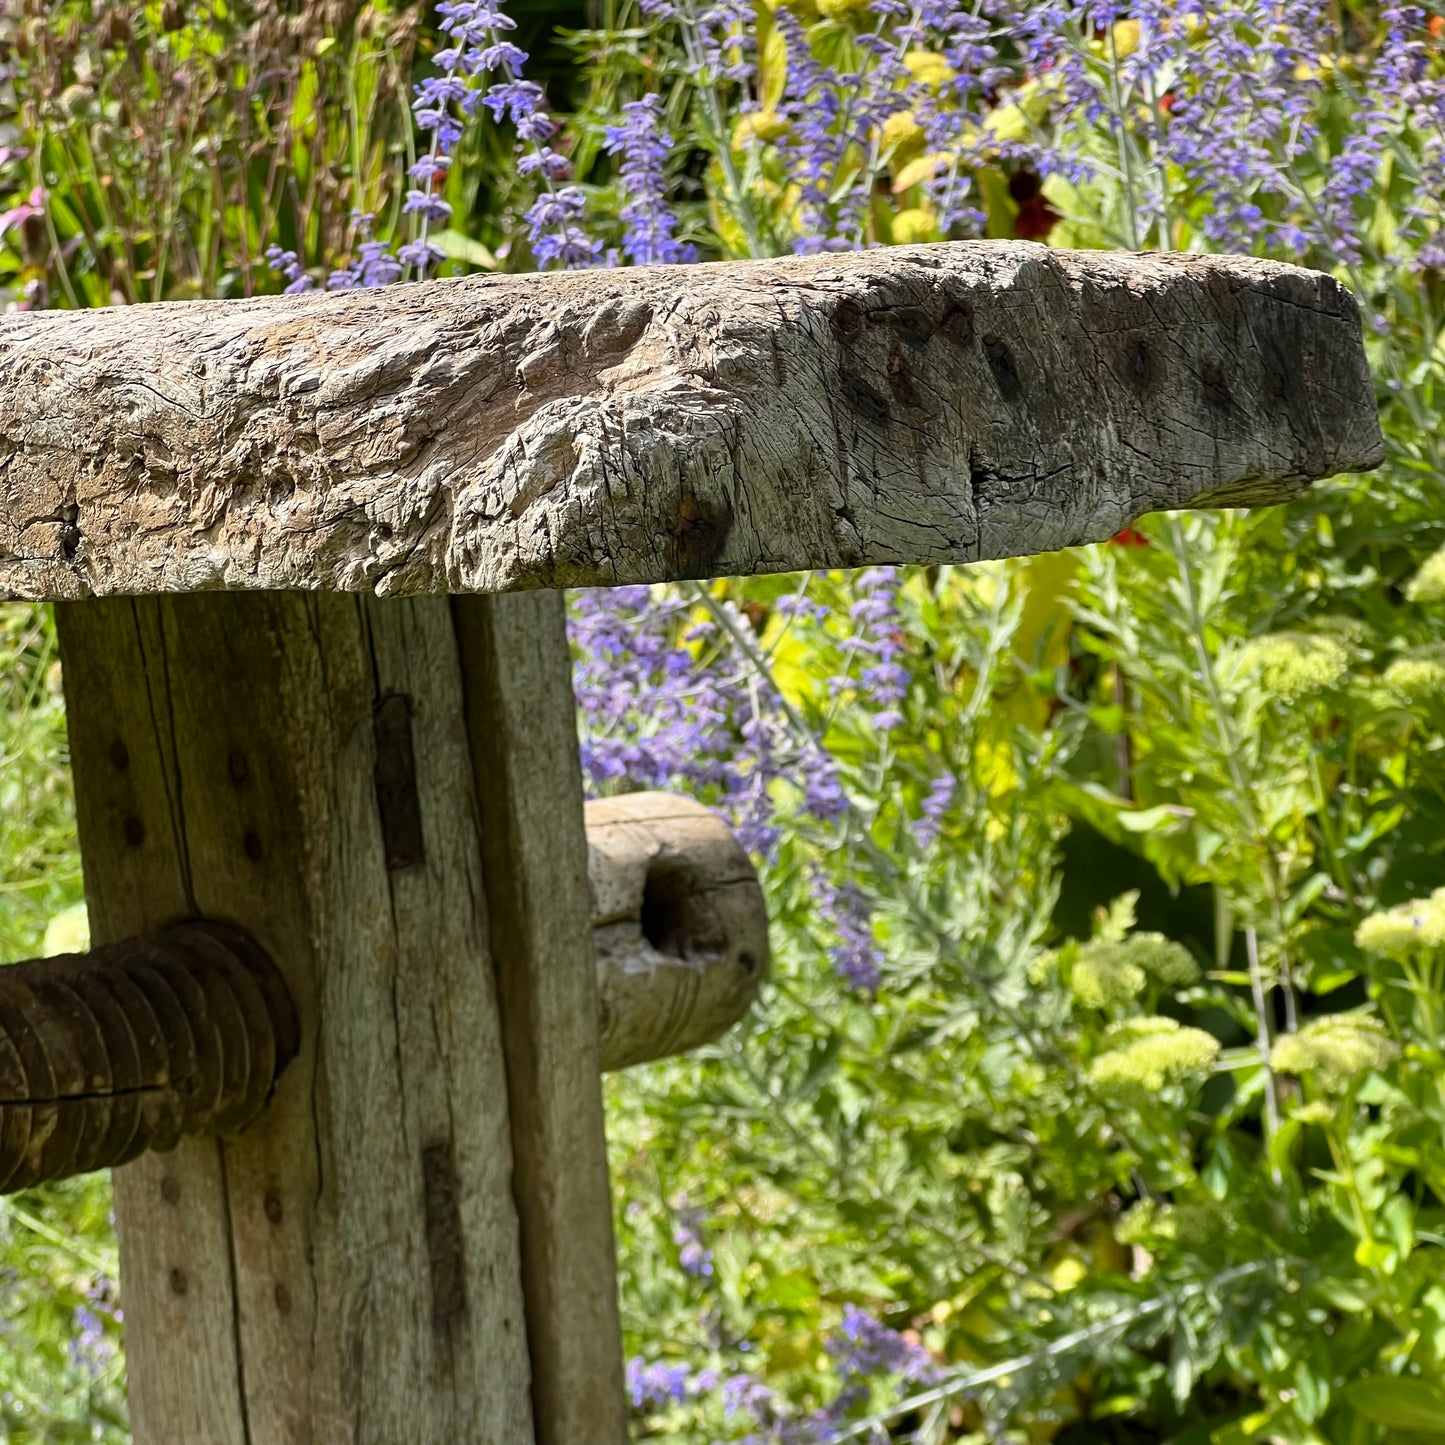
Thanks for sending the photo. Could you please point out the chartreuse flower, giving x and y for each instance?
(1428, 584)
(762, 126)
(1292, 665)
(902, 137)
(1198, 1224)
(1419, 923)
(1418, 676)
(1108, 974)
(929, 68)
(1335, 1051)
(1150, 1055)
(1100, 979)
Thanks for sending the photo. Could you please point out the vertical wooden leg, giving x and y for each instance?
(349, 1269)
(522, 722)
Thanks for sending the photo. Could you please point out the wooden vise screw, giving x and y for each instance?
(107, 1054)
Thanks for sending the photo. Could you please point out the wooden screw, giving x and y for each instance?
(107, 1054)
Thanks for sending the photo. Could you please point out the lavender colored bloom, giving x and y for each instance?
(422, 203)
(374, 264)
(927, 828)
(857, 959)
(643, 146)
(862, 1347)
(289, 266)
(655, 1386)
(693, 1254)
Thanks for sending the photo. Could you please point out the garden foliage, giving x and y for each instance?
(1097, 1094)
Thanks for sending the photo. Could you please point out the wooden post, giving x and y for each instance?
(522, 722)
(350, 1269)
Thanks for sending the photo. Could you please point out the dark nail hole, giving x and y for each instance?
(747, 961)
(1001, 363)
(133, 830)
(119, 755)
(847, 318)
(238, 767)
(957, 325)
(913, 324)
(252, 844)
(672, 920)
(170, 1189)
(865, 399)
(1216, 388)
(272, 1206)
(179, 1283)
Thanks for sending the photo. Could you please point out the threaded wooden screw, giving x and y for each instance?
(106, 1054)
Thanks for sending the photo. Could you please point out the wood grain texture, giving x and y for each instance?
(521, 720)
(679, 922)
(917, 404)
(347, 1270)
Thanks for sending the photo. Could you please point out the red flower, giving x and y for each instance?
(1129, 537)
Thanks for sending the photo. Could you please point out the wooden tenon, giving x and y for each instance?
(248, 513)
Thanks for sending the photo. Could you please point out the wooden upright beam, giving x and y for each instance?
(349, 1269)
(521, 719)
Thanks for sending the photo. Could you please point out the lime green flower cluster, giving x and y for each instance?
(1428, 584)
(1149, 1055)
(1419, 675)
(1292, 665)
(1199, 1224)
(1420, 923)
(1107, 974)
(1334, 1052)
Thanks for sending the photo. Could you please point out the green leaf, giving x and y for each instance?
(463, 248)
(1399, 1404)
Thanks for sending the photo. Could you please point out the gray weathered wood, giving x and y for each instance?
(919, 404)
(679, 921)
(521, 718)
(348, 1270)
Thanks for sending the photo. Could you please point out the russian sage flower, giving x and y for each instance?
(643, 146)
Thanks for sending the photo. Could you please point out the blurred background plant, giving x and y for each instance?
(1096, 1096)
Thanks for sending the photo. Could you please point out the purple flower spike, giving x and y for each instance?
(643, 146)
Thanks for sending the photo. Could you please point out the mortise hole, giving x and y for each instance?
(671, 920)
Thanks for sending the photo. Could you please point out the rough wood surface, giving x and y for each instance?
(348, 1270)
(680, 924)
(919, 404)
(521, 719)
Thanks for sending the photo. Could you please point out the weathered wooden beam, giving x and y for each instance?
(349, 1267)
(679, 921)
(521, 723)
(920, 404)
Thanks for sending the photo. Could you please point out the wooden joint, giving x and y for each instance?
(679, 921)
(106, 1054)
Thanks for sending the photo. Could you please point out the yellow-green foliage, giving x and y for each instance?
(1405, 927)
(1293, 665)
